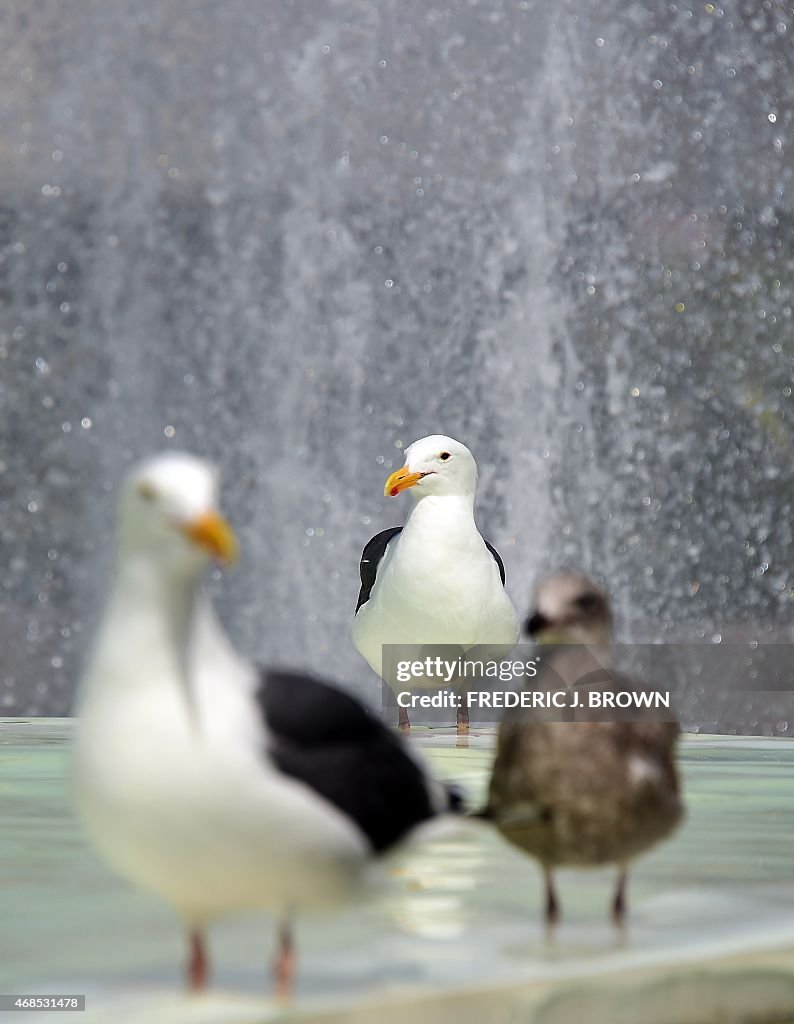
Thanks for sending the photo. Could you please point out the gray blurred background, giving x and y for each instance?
(296, 236)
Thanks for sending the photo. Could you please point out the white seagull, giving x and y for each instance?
(215, 785)
(434, 582)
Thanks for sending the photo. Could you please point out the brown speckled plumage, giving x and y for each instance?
(582, 793)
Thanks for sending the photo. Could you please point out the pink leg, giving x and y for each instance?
(462, 728)
(403, 721)
(285, 963)
(198, 964)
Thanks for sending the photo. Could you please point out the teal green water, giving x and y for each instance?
(463, 907)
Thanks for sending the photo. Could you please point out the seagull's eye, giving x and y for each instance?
(146, 491)
(587, 602)
(445, 455)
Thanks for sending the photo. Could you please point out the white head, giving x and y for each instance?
(168, 511)
(436, 465)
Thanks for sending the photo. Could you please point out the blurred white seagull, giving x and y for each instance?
(217, 786)
(434, 582)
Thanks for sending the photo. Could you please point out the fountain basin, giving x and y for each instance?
(456, 933)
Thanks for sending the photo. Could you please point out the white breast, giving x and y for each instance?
(439, 584)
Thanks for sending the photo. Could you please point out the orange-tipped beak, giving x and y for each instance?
(212, 532)
(401, 481)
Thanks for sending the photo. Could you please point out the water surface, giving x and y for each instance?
(459, 912)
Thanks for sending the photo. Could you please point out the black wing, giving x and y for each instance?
(370, 560)
(326, 739)
(498, 559)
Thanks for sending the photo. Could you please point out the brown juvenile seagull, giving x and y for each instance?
(582, 793)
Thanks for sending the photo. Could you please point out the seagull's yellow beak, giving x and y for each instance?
(212, 532)
(401, 481)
